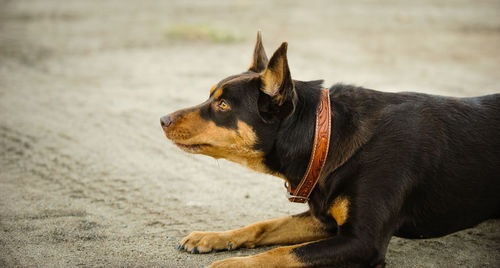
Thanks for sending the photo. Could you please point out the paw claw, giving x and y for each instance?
(180, 247)
(195, 250)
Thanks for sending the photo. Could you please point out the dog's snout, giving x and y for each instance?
(165, 121)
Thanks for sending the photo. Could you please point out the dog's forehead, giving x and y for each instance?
(232, 83)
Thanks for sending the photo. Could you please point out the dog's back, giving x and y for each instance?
(467, 164)
(450, 148)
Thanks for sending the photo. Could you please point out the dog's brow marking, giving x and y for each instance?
(213, 89)
(218, 93)
(340, 209)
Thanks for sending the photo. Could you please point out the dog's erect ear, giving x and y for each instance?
(276, 79)
(259, 61)
(277, 99)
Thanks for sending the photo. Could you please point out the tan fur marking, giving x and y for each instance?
(272, 80)
(285, 230)
(236, 146)
(340, 209)
(213, 89)
(218, 93)
(275, 74)
(276, 258)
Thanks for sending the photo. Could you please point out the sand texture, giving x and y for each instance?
(87, 177)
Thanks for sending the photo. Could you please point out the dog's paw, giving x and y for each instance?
(240, 262)
(205, 242)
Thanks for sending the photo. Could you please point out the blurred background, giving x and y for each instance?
(87, 177)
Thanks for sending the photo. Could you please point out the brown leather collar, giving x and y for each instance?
(318, 155)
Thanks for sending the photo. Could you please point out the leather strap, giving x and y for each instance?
(319, 152)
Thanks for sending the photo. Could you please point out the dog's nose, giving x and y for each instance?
(165, 121)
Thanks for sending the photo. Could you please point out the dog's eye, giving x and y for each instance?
(223, 106)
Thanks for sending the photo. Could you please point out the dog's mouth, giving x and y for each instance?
(192, 148)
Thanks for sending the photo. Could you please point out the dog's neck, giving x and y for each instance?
(292, 149)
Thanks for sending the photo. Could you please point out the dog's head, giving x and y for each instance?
(239, 120)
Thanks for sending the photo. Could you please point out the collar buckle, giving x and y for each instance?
(294, 198)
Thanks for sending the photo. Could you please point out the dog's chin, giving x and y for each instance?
(192, 148)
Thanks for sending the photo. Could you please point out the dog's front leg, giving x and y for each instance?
(277, 258)
(292, 229)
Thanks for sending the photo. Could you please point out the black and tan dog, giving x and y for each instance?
(405, 164)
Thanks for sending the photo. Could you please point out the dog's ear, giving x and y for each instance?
(276, 79)
(259, 61)
(277, 99)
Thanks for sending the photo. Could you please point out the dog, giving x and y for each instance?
(406, 164)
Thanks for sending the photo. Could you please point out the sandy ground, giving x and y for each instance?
(87, 177)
